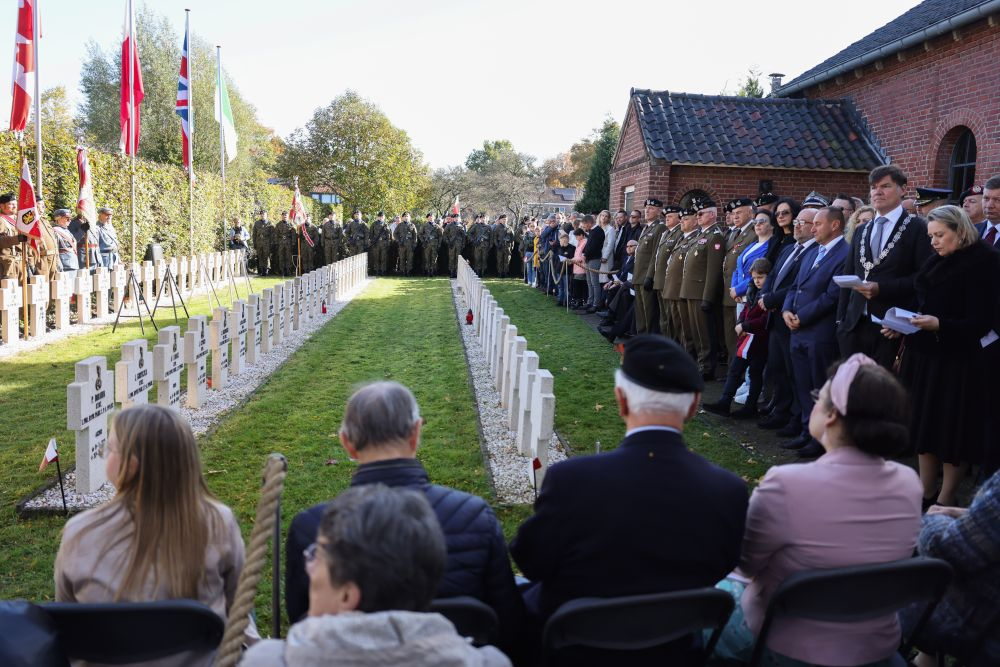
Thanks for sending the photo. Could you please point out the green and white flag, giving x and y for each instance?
(224, 115)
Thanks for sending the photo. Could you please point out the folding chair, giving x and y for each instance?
(638, 621)
(471, 617)
(28, 637)
(118, 633)
(855, 594)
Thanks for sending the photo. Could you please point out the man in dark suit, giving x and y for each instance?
(989, 228)
(648, 517)
(810, 312)
(621, 298)
(592, 255)
(886, 254)
(785, 411)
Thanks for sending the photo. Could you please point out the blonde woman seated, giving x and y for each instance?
(849, 507)
(163, 536)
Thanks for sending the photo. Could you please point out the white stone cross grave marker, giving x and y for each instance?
(182, 274)
(298, 292)
(88, 401)
(61, 293)
(526, 383)
(168, 362)
(148, 276)
(254, 321)
(289, 290)
(266, 316)
(499, 339)
(238, 329)
(11, 301)
(119, 276)
(102, 283)
(503, 361)
(195, 354)
(38, 301)
(194, 262)
(278, 317)
(218, 340)
(134, 374)
(83, 286)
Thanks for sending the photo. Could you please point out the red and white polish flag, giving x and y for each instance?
(27, 210)
(51, 454)
(24, 66)
(129, 107)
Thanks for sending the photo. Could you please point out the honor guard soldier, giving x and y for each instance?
(261, 238)
(378, 241)
(971, 202)
(431, 235)
(10, 239)
(701, 285)
(741, 237)
(664, 250)
(107, 239)
(44, 256)
(68, 257)
(454, 238)
(480, 237)
(357, 234)
(678, 316)
(307, 230)
(333, 236)
(503, 244)
(284, 237)
(88, 247)
(646, 317)
(406, 240)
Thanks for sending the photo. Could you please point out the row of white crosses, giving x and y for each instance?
(526, 391)
(192, 274)
(225, 343)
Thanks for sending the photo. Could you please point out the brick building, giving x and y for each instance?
(922, 92)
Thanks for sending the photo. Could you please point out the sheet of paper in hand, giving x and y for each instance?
(898, 319)
(849, 282)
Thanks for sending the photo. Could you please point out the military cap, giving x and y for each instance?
(380, 214)
(728, 208)
(688, 211)
(61, 213)
(815, 200)
(429, 215)
(106, 209)
(927, 195)
(356, 211)
(652, 201)
(765, 198)
(702, 204)
(7, 198)
(974, 190)
(740, 202)
(658, 363)
(671, 208)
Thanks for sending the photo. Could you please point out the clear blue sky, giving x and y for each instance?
(542, 73)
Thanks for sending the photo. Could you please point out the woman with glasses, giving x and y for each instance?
(785, 212)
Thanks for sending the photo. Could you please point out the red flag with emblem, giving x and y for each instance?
(298, 214)
(27, 210)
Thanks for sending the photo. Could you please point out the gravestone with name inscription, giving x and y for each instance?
(289, 289)
(266, 313)
(89, 399)
(83, 286)
(11, 300)
(182, 274)
(253, 328)
(61, 293)
(298, 292)
(278, 320)
(527, 377)
(196, 359)
(147, 279)
(238, 326)
(543, 408)
(168, 363)
(119, 276)
(218, 340)
(102, 283)
(134, 374)
(38, 301)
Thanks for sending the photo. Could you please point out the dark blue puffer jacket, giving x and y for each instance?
(477, 566)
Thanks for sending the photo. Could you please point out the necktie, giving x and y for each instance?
(820, 256)
(789, 263)
(876, 238)
(991, 236)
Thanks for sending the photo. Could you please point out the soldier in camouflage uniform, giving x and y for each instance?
(357, 234)
(378, 241)
(406, 239)
(306, 253)
(333, 236)
(431, 235)
(480, 237)
(261, 238)
(284, 235)
(503, 244)
(454, 238)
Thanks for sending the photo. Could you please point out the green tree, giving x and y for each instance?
(751, 86)
(500, 154)
(350, 147)
(598, 188)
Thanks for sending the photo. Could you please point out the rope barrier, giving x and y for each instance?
(231, 649)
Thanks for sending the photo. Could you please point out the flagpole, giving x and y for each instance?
(222, 136)
(62, 489)
(190, 132)
(132, 135)
(38, 103)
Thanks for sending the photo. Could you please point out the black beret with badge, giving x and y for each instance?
(765, 198)
(739, 202)
(652, 201)
(7, 198)
(702, 204)
(671, 208)
(658, 363)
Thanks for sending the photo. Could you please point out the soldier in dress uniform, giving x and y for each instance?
(480, 237)
(971, 202)
(664, 249)
(679, 318)
(261, 239)
(701, 285)
(378, 241)
(10, 239)
(88, 247)
(454, 238)
(646, 307)
(502, 239)
(65, 241)
(742, 236)
(929, 199)
(284, 238)
(357, 234)
(107, 239)
(431, 235)
(406, 240)
(306, 252)
(333, 236)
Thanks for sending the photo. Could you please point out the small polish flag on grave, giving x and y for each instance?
(50, 455)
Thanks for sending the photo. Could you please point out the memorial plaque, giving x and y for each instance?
(238, 330)
(195, 358)
(88, 401)
(218, 340)
(134, 374)
(168, 363)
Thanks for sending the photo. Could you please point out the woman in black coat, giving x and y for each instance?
(943, 363)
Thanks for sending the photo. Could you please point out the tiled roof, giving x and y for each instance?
(755, 132)
(921, 17)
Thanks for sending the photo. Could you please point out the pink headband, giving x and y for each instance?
(840, 386)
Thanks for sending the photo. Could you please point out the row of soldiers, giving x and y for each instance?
(285, 249)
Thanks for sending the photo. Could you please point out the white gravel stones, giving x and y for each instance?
(511, 471)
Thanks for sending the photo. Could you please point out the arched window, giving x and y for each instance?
(962, 168)
(691, 195)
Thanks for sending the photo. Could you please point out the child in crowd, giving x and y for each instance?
(564, 252)
(579, 282)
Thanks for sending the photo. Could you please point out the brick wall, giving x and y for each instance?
(914, 104)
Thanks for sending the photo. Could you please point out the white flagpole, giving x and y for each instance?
(190, 132)
(222, 137)
(132, 134)
(36, 31)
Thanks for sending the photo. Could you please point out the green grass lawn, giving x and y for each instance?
(33, 396)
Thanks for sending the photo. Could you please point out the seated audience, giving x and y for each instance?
(381, 431)
(850, 507)
(163, 536)
(966, 623)
(373, 570)
(861, 217)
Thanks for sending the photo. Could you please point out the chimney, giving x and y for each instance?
(775, 81)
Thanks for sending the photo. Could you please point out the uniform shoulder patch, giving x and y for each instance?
(702, 241)
(718, 246)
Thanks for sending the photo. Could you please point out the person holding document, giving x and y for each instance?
(942, 363)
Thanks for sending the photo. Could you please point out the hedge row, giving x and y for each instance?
(161, 196)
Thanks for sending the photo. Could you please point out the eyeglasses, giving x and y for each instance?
(802, 222)
(782, 214)
(761, 221)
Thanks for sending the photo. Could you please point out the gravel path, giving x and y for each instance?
(511, 472)
(238, 390)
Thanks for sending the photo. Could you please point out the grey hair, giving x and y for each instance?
(643, 400)
(379, 413)
(386, 541)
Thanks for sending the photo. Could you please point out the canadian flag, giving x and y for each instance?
(51, 454)
(27, 210)
(24, 66)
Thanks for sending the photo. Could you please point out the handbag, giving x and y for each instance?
(897, 363)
